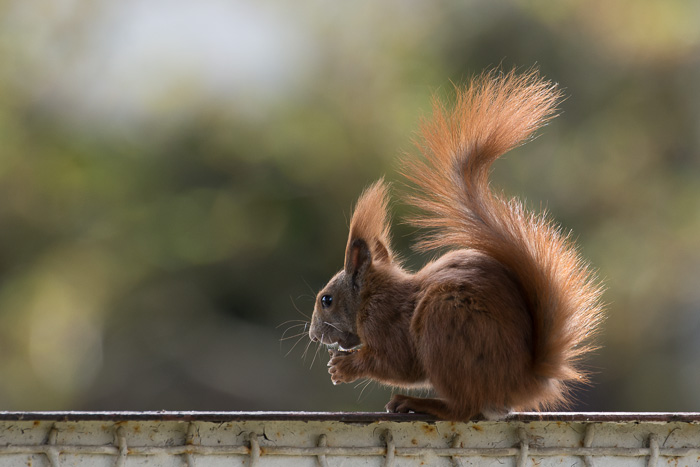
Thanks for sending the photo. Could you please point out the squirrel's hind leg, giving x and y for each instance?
(439, 408)
(401, 403)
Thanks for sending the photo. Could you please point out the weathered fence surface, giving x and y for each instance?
(201, 439)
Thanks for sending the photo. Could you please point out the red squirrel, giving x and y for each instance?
(499, 322)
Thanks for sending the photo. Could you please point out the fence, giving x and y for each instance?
(333, 439)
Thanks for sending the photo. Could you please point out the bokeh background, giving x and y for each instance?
(176, 179)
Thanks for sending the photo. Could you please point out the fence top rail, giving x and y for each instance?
(347, 417)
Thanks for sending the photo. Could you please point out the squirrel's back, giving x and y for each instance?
(492, 115)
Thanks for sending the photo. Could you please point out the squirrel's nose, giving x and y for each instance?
(312, 335)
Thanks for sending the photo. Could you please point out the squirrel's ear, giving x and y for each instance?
(358, 259)
(381, 252)
(369, 229)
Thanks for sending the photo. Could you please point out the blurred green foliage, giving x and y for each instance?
(176, 181)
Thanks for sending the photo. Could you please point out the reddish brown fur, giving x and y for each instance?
(498, 323)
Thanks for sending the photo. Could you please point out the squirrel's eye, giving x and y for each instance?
(326, 301)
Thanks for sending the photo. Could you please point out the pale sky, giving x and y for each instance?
(129, 58)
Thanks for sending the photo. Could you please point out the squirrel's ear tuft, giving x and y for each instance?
(369, 229)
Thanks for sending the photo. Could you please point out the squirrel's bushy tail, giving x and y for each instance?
(495, 113)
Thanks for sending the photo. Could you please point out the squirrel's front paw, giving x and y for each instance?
(341, 367)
